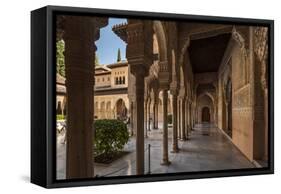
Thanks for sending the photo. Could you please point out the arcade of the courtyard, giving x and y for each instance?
(208, 78)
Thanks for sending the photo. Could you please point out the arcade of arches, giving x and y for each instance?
(200, 73)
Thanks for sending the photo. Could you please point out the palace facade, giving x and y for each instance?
(111, 100)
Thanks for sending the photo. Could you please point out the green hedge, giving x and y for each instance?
(110, 136)
(60, 117)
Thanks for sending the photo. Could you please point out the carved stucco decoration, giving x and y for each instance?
(95, 24)
(261, 50)
(60, 27)
(160, 29)
(163, 74)
(184, 44)
(245, 52)
(139, 50)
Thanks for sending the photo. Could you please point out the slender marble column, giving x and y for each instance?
(165, 160)
(179, 119)
(183, 136)
(139, 123)
(226, 116)
(132, 118)
(148, 114)
(186, 119)
(175, 126)
(190, 117)
(139, 57)
(145, 117)
(155, 112)
(266, 114)
(264, 84)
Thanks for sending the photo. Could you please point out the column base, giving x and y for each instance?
(165, 163)
(183, 139)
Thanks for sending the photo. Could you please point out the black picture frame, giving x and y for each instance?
(43, 91)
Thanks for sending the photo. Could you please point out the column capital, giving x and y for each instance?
(138, 70)
(163, 74)
(182, 97)
(139, 51)
(174, 88)
(89, 26)
(174, 92)
(164, 86)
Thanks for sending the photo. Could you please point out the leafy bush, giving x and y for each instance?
(170, 119)
(110, 136)
(60, 117)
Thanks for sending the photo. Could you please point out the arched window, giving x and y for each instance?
(116, 80)
(121, 109)
(123, 81)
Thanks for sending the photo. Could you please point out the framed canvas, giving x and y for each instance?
(126, 96)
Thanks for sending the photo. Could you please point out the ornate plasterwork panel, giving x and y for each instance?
(261, 51)
(139, 50)
(241, 59)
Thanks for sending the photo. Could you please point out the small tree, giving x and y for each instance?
(119, 55)
(110, 136)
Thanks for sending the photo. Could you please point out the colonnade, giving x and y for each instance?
(80, 34)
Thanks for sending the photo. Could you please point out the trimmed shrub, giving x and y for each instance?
(60, 117)
(110, 136)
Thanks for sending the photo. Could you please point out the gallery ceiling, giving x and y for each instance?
(206, 54)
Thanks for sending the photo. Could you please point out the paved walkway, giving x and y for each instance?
(207, 149)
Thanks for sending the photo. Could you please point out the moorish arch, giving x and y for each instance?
(102, 110)
(163, 64)
(203, 102)
(108, 109)
(161, 38)
(203, 88)
(121, 109)
(96, 109)
(209, 95)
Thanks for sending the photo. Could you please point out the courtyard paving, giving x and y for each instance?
(207, 149)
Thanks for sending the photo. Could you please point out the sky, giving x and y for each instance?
(109, 42)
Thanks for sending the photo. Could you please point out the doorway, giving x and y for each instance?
(206, 114)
